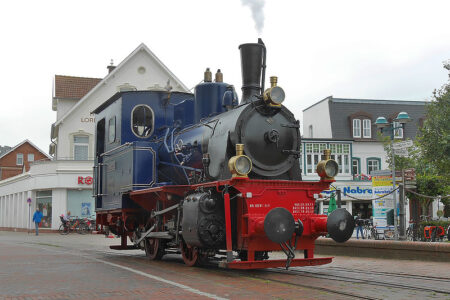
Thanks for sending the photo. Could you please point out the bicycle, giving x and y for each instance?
(76, 225)
(368, 229)
(410, 233)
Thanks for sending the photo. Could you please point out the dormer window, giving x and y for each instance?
(356, 128)
(361, 125)
(367, 126)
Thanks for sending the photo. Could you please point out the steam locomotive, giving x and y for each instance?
(210, 177)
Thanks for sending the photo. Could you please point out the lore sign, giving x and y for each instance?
(85, 180)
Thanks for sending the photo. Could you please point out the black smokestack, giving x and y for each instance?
(253, 63)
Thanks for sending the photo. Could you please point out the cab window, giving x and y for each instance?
(142, 121)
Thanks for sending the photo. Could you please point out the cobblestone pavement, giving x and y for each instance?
(51, 266)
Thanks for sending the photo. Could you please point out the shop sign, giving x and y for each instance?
(356, 191)
(85, 180)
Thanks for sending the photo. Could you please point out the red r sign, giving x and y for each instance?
(85, 180)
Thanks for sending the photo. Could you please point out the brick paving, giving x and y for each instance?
(51, 266)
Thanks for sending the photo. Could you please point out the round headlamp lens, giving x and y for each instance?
(277, 95)
(243, 165)
(331, 168)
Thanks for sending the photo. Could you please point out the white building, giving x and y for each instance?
(65, 183)
(347, 127)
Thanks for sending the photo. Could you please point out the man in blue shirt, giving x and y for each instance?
(37, 217)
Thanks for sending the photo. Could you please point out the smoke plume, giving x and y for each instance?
(257, 8)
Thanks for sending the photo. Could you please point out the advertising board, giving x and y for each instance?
(382, 187)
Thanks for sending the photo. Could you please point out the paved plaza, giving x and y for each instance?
(51, 266)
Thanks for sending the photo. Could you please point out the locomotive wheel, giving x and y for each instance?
(190, 254)
(153, 249)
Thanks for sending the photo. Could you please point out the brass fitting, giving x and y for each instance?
(273, 81)
(207, 76)
(328, 168)
(219, 76)
(240, 165)
(274, 95)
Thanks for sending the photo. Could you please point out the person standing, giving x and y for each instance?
(37, 217)
(359, 226)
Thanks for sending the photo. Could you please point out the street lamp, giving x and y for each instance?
(382, 123)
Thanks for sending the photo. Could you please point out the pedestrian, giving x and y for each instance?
(359, 226)
(37, 217)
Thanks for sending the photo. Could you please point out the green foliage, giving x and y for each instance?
(430, 155)
(430, 185)
(434, 135)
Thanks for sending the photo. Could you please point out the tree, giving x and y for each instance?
(434, 146)
(430, 155)
(434, 135)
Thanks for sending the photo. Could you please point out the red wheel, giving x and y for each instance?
(190, 255)
(153, 249)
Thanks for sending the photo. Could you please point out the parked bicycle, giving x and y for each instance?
(76, 225)
(368, 229)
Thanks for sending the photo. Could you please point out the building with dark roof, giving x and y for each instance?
(347, 127)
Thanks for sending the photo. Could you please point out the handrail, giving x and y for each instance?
(116, 148)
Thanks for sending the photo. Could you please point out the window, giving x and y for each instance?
(367, 130)
(19, 159)
(356, 128)
(44, 202)
(373, 164)
(341, 154)
(142, 121)
(30, 157)
(313, 156)
(356, 168)
(398, 133)
(80, 147)
(112, 130)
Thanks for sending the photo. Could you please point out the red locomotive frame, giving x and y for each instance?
(254, 199)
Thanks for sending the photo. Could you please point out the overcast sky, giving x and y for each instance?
(352, 49)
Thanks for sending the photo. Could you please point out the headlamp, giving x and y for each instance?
(274, 95)
(240, 165)
(327, 168)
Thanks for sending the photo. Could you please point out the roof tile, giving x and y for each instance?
(70, 87)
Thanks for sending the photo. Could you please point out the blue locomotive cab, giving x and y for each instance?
(127, 128)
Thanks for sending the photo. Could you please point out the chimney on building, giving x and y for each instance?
(111, 67)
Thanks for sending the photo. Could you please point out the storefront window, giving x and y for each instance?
(44, 202)
(80, 203)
